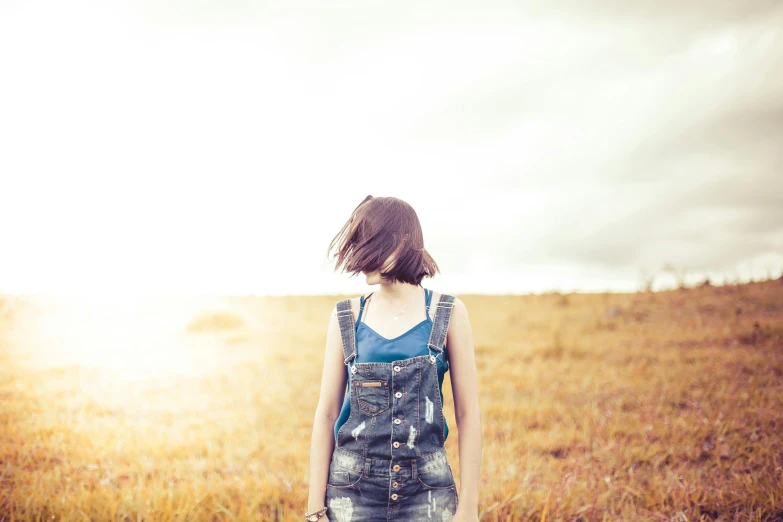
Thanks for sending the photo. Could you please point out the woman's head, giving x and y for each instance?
(383, 239)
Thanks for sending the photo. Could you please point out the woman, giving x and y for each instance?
(377, 450)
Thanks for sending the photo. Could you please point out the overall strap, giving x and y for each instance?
(347, 329)
(440, 326)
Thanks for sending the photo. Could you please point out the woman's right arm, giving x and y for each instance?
(333, 382)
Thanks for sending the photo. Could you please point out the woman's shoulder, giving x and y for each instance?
(436, 296)
(355, 305)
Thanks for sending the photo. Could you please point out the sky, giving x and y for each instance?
(217, 146)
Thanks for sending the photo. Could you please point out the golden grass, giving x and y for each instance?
(649, 406)
(215, 322)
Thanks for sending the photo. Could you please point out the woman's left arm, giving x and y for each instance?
(464, 386)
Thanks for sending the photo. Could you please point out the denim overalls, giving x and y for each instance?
(389, 463)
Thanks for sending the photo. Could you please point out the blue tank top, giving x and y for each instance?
(373, 347)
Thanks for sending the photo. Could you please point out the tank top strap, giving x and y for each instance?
(427, 301)
(362, 300)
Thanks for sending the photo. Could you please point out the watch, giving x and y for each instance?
(315, 515)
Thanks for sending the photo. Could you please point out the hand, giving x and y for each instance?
(462, 515)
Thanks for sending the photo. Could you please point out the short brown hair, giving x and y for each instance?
(377, 228)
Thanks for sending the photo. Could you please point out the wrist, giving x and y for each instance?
(314, 504)
(315, 514)
(468, 504)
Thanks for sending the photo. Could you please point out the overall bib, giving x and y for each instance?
(389, 462)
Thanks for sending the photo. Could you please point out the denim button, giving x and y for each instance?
(396, 444)
(394, 496)
(396, 467)
(397, 368)
(397, 421)
(395, 484)
(398, 394)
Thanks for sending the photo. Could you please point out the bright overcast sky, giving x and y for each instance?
(216, 146)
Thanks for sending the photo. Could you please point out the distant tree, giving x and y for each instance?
(646, 280)
(679, 274)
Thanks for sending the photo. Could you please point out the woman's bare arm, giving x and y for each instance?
(464, 385)
(333, 382)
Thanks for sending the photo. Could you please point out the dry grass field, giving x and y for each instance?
(646, 406)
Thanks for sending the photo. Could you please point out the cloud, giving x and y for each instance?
(579, 134)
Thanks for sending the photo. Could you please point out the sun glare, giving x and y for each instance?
(131, 339)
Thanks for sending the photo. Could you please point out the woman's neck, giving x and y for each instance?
(398, 292)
